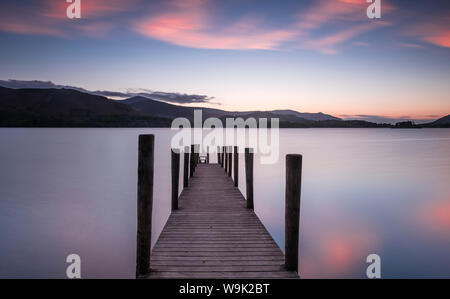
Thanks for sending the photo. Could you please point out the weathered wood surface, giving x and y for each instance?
(214, 235)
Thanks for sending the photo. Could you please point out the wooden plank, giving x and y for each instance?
(214, 235)
(225, 275)
(235, 268)
(219, 258)
(161, 264)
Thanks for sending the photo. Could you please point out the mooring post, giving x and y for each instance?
(236, 166)
(191, 171)
(223, 157)
(249, 177)
(218, 155)
(207, 155)
(292, 210)
(230, 159)
(226, 158)
(144, 203)
(175, 176)
(197, 154)
(186, 167)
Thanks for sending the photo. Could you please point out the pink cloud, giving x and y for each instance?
(327, 44)
(191, 24)
(48, 17)
(193, 29)
(349, 14)
(435, 31)
(332, 11)
(441, 38)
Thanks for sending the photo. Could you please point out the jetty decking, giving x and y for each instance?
(214, 235)
(213, 231)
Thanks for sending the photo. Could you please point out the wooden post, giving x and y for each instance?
(218, 155)
(175, 163)
(144, 203)
(207, 155)
(236, 166)
(194, 153)
(191, 171)
(186, 167)
(230, 160)
(223, 157)
(292, 211)
(226, 158)
(197, 155)
(249, 177)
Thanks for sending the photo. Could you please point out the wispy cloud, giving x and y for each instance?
(411, 45)
(171, 97)
(323, 25)
(347, 16)
(193, 26)
(48, 17)
(361, 44)
(327, 44)
(90, 9)
(435, 30)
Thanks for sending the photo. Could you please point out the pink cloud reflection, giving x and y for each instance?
(340, 254)
(337, 245)
(435, 217)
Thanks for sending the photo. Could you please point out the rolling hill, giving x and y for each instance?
(443, 122)
(68, 108)
(74, 108)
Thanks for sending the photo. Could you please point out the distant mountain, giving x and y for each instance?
(165, 110)
(68, 108)
(73, 108)
(161, 109)
(443, 122)
(310, 116)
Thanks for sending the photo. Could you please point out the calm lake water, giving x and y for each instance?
(364, 191)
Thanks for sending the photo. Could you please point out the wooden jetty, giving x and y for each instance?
(213, 231)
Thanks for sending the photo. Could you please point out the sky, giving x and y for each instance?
(310, 56)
